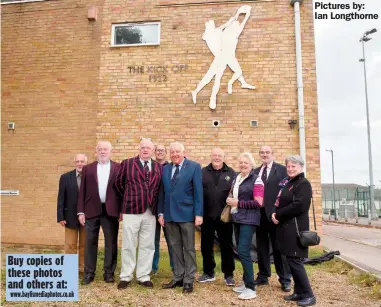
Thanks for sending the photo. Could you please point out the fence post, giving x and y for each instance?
(369, 219)
(345, 214)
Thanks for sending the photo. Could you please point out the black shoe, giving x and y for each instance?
(261, 282)
(188, 288)
(173, 284)
(285, 287)
(293, 297)
(123, 284)
(147, 284)
(309, 301)
(87, 279)
(109, 278)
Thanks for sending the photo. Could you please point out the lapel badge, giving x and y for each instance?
(227, 178)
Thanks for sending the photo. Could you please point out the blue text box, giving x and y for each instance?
(41, 277)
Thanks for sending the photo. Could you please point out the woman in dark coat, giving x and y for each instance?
(293, 202)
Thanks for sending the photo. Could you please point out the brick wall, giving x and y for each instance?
(130, 106)
(50, 69)
(66, 88)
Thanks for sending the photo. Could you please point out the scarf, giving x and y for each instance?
(282, 184)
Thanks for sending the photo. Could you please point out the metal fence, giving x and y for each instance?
(349, 202)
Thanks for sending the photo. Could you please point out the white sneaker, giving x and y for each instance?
(247, 294)
(240, 288)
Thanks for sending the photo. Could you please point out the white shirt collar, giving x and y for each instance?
(108, 162)
(270, 165)
(142, 161)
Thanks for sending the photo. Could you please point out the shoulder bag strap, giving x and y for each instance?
(296, 221)
(313, 211)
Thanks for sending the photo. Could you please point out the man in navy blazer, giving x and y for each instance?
(180, 209)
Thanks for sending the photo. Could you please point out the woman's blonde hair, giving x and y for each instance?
(249, 156)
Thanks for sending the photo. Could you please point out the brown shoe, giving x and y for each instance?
(123, 284)
(147, 284)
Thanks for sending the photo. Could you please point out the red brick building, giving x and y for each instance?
(65, 86)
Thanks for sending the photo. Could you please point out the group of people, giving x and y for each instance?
(148, 193)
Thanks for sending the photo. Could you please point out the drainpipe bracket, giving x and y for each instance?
(292, 2)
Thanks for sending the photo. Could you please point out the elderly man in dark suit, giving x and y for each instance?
(270, 173)
(180, 209)
(75, 234)
(138, 181)
(99, 205)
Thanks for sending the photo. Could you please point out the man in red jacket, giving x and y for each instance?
(138, 181)
(99, 205)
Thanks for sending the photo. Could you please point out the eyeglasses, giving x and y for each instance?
(160, 150)
(264, 152)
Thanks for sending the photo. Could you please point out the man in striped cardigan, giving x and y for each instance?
(138, 181)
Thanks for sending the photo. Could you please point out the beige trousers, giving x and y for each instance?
(75, 240)
(138, 233)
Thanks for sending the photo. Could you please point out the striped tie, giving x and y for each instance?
(173, 180)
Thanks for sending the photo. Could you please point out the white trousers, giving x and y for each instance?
(138, 233)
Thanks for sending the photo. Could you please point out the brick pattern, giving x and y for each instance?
(66, 88)
(50, 69)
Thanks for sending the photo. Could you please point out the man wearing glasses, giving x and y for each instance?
(270, 173)
(161, 157)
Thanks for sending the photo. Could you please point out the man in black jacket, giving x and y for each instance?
(67, 210)
(217, 179)
(271, 173)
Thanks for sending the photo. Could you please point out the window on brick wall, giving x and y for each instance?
(135, 34)
(19, 1)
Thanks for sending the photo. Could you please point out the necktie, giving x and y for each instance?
(173, 180)
(264, 174)
(146, 171)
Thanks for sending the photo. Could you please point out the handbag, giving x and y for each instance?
(307, 237)
(226, 215)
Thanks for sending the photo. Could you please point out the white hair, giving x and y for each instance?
(295, 159)
(75, 157)
(176, 144)
(106, 142)
(147, 140)
(218, 148)
(249, 156)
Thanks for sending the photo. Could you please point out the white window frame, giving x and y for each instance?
(23, 1)
(134, 24)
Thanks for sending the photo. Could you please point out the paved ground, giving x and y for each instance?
(361, 221)
(359, 245)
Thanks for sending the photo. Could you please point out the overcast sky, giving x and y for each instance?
(341, 95)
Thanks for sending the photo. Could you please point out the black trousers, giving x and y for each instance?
(225, 237)
(110, 227)
(266, 233)
(302, 284)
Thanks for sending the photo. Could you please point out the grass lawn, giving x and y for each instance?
(334, 284)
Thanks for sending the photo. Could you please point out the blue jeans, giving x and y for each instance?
(243, 236)
(156, 256)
